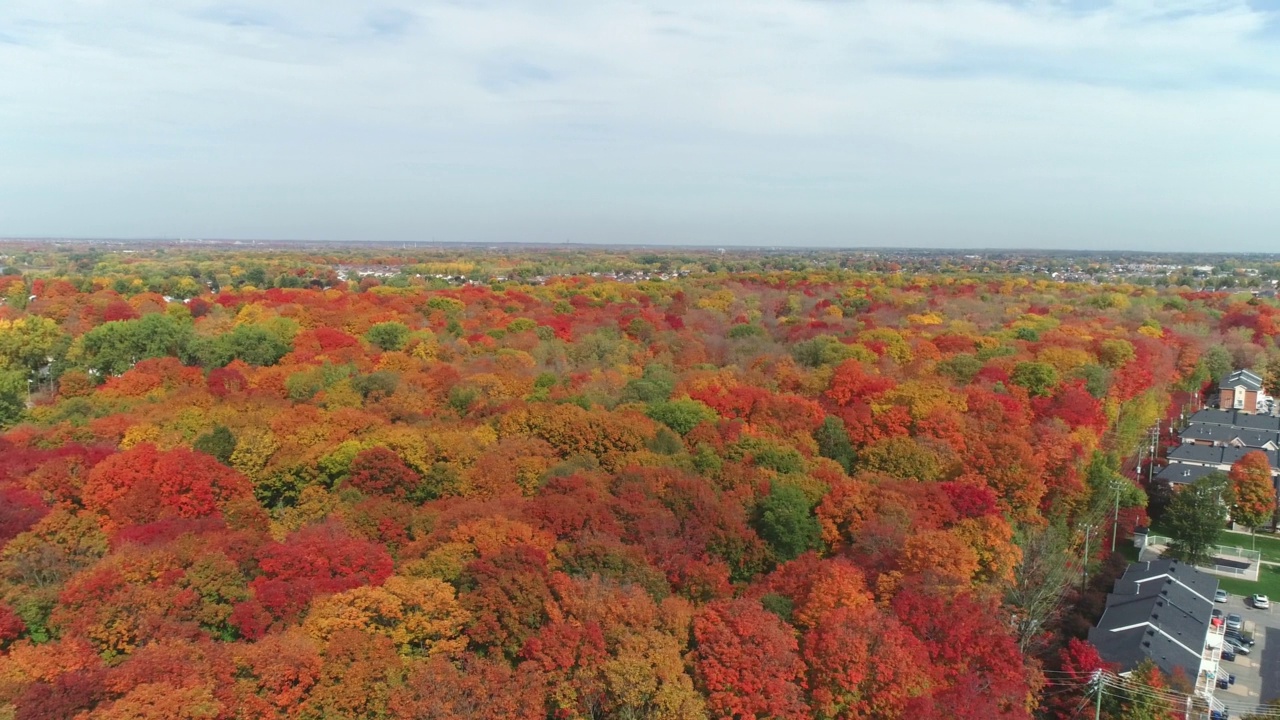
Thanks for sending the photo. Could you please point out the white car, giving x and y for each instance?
(1260, 601)
(1220, 596)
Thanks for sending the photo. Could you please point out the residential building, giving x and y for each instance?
(1162, 611)
(1215, 439)
(1241, 390)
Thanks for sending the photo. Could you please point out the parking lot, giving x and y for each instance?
(1258, 673)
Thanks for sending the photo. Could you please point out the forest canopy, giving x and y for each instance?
(305, 485)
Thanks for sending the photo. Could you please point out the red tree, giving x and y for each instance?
(143, 484)
(11, 626)
(966, 639)
(314, 560)
(747, 663)
(379, 471)
(863, 665)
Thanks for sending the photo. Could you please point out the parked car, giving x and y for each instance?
(1240, 639)
(1237, 648)
(1234, 621)
(1228, 653)
(1261, 602)
(1217, 612)
(1220, 596)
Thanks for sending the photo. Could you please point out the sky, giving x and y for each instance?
(1072, 124)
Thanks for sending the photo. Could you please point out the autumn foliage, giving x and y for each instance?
(453, 485)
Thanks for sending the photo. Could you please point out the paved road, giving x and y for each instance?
(1257, 674)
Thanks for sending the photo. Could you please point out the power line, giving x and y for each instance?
(1111, 685)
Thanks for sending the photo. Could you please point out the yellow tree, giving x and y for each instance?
(646, 679)
(421, 616)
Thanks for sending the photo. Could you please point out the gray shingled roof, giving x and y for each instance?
(1159, 610)
(1237, 418)
(1196, 454)
(1207, 454)
(1246, 378)
(1228, 433)
(1213, 416)
(1257, 422)
(1182, 473)
(1231, 455)
(1215, 433)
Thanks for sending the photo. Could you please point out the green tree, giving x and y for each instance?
(833, 442)
(1217, 362)
(1116, 353)
(1196, 516)
(219, 443)
(822, 350)
(13, 396)
(388, 336)
(250, 343)
(654, 386)
(962, 368)
(1103, 477)
(903, 457)
(785, 520)
(114, 347)
(681, 415)
(28, 343)
(377, 384)
(1097, 379)
(1037, 377)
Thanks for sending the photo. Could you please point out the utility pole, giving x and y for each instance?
(1097, 709)
(1088, 530)
(1155, 447)
(1137, 470)
(1115, 518)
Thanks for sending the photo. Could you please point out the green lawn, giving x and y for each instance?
(1268, 583)
(1268, 578)
(1267, 544)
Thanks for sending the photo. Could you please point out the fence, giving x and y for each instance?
(1224, 560)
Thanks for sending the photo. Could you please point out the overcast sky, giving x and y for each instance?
(1150, 124)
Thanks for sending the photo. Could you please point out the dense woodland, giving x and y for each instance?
(241, 486)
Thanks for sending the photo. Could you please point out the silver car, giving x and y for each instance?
(1234, 621)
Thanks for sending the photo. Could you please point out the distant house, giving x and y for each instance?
(1215, 439)
(1180, 474)
(1163, 611)
(1231, 436)
(1221, 458)
(1236, 419)
(1241, 390)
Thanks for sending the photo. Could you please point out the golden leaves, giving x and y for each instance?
(420, 615)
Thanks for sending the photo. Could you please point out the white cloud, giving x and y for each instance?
(1134, 123)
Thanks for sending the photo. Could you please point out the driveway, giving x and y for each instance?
(1258, 673)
